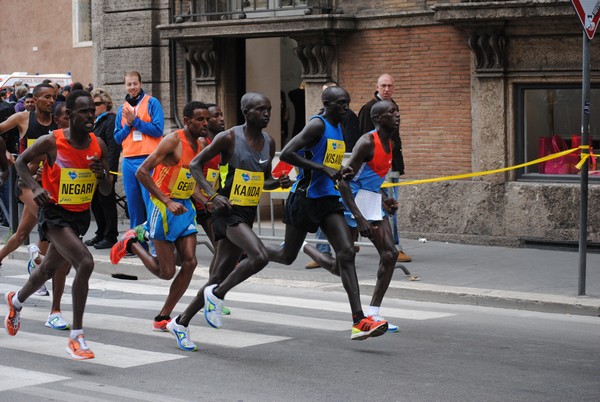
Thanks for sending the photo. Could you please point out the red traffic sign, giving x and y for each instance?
(589, 14)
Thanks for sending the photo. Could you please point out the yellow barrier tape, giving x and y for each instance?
(584, 158)
(117, 173)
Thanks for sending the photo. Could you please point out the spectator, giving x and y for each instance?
(104, 207)
(29, 102)
(138, 128)
(20, 93)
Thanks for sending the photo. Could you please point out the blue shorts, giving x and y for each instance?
(163, 225)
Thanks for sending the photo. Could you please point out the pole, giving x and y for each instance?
(585, 122)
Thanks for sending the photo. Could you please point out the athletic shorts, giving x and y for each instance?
(52, 215)
(163, 225)
(308, 213)
(233, 217)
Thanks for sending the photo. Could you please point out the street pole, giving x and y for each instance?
(585, 122)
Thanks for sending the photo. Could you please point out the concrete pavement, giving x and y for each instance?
(520, 278)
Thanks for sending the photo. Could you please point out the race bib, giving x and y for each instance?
(334, 154)
(184, 185)
(246, 188)
(212, 175)
(76, 186)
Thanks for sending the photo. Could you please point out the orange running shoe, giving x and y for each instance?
(119, 250)
(367, 328)
(78, 349)
(160, 326)
(12, 321)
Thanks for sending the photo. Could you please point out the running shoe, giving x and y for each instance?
(34, 253)
(56, 321)
(30, 266)
(225, 311)
(119, 250)
(160, 326)
(367, 328)
(182, 334)
(42, 291)
(391, 327)
(140, 232)
(78, 348)
(213, 307)
(12, 321)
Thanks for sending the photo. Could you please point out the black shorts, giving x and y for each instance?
(308, 213)
(52, 216)
(234, 217)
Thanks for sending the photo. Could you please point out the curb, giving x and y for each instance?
(576, 305)
(557, 304)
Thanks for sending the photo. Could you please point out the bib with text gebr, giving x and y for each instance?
(76, 186)
(184, 185)
(247, 187)
(334, 154)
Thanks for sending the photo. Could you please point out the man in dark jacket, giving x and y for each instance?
(104, 207)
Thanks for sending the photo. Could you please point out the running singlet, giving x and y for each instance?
(329, 151)
(177, 181)
(242, 179)
(69, 180)
(34, 131)
(211, 169)
(371, 174)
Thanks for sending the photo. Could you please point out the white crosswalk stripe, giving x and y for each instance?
(11, 377)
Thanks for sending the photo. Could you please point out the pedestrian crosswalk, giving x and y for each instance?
(118, 306)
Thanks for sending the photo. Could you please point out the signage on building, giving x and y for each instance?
(588, 12)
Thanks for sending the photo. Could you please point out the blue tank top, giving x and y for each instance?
(329, 151)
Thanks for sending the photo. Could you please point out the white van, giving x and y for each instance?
(8, 80)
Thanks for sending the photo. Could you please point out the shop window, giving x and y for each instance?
(544, 112)
(82, 23)
(270, 8)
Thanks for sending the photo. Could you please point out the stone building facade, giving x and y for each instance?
(478, 83)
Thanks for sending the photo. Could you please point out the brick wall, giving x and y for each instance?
(431, 68)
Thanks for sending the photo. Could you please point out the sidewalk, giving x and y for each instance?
(528, 279)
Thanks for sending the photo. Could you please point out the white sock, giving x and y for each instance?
(75, 333)
(16, 302)
(373, 310)
(303, 244)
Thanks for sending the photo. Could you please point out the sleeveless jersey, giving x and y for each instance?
(177, 181)
(138, 143)
(211, 168)
(371, 174)
(34, 131)
(329, 151)
(69, 180)
(242, 179)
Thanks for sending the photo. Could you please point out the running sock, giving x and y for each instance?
(129, 244)
(75, 333)
(162, 317)
(356, 317)
(15, 301)
(373, 310)
(303, 244)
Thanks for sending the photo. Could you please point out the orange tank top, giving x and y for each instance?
(177, 181)
(69, 180)
(137, 143)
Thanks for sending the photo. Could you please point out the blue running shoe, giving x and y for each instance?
(56, 321)
(391, 327)
(182, 334)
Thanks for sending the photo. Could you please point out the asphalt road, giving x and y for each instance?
(285, 343)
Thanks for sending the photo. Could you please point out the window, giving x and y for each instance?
(269, 8)
(544, 111)
(82, 23)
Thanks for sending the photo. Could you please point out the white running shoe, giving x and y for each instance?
(213, 307)
(391, 327)
(43, 291)
(182, 334)
(56, 321)
(34, 252)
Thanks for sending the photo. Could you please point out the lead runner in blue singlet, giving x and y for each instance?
(318, 151)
